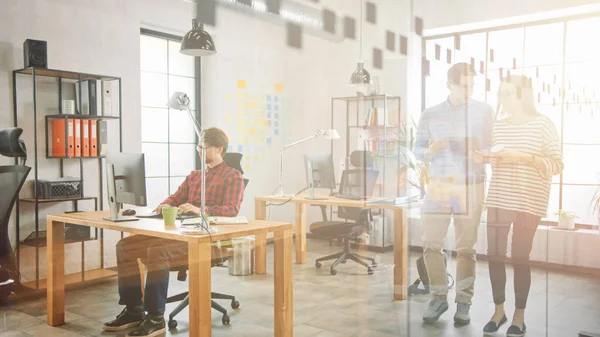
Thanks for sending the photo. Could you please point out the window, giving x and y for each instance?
(168, 138)
(564, 63)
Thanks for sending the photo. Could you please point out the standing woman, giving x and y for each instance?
(525, 155)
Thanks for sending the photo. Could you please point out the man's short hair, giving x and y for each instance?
(459, 70)
(216, 137)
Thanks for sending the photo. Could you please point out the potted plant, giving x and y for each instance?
(566, 220)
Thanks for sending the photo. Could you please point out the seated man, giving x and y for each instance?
(224, 195)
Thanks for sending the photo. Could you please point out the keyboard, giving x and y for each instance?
(351, 197)
(159, 216)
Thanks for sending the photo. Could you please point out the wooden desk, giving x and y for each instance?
(199, 264)
(400, 230)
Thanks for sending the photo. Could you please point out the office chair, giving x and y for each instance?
(12, 178)
(218, 258)
(355, 182)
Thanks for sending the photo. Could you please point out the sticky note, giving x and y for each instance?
(262, 97)
(240, 139)
(255, 122)
(240, 95)
(269, 141)
(276, 107)
(269, 123)
(268, 106)
(252, 131)
(276, 116)
(276, 98)
(262, 132)
(228, 118)
(240, 104)
(241, 84)
(240, 148)
(276, 124)
(246, 166)
(239, 112)
(262, 139)
(229, 148)
(247, 96)
(265, 122)
(276, 132)
(268, 98)
(228, 98)
(278, 87)
(268, 115)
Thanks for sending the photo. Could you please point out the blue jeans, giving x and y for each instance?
(158, 255)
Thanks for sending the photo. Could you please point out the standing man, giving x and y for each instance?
(447, 135)
(224, 195)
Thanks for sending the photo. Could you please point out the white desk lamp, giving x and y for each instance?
(181, 101)
(329, 134)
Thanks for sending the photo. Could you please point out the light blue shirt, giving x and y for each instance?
(473, 121)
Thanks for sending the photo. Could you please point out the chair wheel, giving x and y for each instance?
(370, 271)
(318, 264)
(172, 324)
(332, 271)
(225, 320)
(374, 265)
(344, 261)
(235, 304)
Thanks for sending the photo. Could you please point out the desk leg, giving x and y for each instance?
(300, 233)
(55, 260)
(400, 255)
(260, 210)
(199, 288)
(284, 307)
(260, 253)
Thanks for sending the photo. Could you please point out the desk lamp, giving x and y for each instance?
(329, 134)
(181, 101)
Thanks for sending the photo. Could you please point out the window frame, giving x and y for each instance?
(197, 96)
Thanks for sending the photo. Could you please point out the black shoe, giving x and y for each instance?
(515, 331)
(152, 325)
(128, 318)
(492, 327)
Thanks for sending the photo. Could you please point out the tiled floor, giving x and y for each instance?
(350, 303)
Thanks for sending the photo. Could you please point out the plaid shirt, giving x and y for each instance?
(224, 191)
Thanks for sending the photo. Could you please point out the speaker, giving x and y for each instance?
(35, 54)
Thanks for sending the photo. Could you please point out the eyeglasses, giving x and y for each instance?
(198, 148)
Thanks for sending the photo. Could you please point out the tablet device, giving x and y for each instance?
(458, 145)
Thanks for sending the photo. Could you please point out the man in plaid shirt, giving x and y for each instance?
(224, 195)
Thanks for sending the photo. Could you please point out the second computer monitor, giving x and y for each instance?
(129, 177)
(320, 171)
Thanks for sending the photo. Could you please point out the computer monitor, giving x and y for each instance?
(319, 172)
(126, 180)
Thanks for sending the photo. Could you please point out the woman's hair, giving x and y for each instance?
(525, 95)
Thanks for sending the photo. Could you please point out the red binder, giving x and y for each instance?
(59, 143)
(77, 138)
(85, 140)
(93, 133)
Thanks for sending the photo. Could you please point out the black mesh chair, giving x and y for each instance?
(356, 184)
(12, 178)
(219, 257)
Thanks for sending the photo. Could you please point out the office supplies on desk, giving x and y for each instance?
(153, 215)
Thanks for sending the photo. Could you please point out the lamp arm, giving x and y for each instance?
(319, 133)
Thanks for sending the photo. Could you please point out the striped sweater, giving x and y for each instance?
(521, 187)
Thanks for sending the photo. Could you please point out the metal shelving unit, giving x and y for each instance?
(62, 77)
(385, 138)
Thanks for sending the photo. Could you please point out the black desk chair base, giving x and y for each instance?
(185, 301)
(344, 256)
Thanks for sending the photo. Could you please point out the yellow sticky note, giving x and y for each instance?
(262, 156)
(240, 130)
(262, 132)
(241, 84)
(262, 139)
(246, 166)
(228, 118)
(240, 139)
(262, 97)
(256, 157)
(228, 97)
(262, 105)
(265, 122)
(240, 95)
(278, 87)
(240, 104)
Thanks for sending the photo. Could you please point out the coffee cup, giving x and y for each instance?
(169, 215)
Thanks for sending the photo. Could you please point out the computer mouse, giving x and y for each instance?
(128, 212)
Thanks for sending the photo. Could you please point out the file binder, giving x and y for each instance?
(77, 139)
(102, 138)
(85, 140)
(93, 138)
(62, 147)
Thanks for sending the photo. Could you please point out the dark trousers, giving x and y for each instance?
(158, 255)
(524, 226)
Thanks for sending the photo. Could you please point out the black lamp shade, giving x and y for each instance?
(360, 75)
(197, 42)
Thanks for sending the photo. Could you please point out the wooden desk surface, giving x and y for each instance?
(335, 201)
(156, 227)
